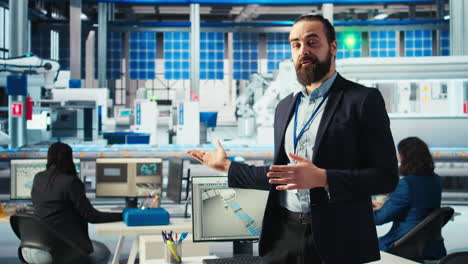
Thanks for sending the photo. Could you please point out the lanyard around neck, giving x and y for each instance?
(311, 118)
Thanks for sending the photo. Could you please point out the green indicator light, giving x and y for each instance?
(350, 41)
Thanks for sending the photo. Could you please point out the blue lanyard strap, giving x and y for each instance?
(311, 118)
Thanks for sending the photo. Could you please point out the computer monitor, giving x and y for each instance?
(22, 173)
(128, 177)
(174, 181)
(220, 213)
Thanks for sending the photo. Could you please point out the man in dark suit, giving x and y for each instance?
(333, 150)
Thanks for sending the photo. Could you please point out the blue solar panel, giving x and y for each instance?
(278, 49)
(64, 50)
(418, 43)
(142, 52)
(349, 51)
(114, 56)
(212, 55)
(445, 43)
(245, 55)
(176, 55)
(382, 44)
(40, 38)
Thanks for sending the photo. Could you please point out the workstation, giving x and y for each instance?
(135, 87)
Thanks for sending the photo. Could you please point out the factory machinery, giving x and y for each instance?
(451, 163)
(424, 98)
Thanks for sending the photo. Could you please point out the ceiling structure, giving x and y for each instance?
(243, 13)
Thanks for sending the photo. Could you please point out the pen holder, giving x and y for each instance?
(172, 253)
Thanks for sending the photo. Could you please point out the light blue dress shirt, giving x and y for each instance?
(299, 200)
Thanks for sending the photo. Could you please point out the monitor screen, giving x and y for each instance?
(174, 181)
(221, 213)
(128, 177)
(22, 173)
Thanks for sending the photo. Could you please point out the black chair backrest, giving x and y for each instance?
(412, 244)
(36, 233)
(455, 258)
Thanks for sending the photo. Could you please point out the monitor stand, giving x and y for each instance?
(131, 202)
(241, 247)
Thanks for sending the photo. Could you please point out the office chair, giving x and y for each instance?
(455, 258)
(412, 244)
(36, 233)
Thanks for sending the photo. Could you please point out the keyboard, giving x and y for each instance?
(235, 260)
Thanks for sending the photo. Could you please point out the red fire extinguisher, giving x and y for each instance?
(29, 108)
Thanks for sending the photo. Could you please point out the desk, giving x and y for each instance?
(386, 259)
(121, 230)
(185, 260)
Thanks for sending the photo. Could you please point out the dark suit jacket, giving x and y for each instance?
(354, 144)
(66, 208)
(414, 198)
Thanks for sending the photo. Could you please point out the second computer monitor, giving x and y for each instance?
(128, 177)
(22, 173)
(221, 213)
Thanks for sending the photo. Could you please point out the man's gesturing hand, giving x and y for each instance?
(303, 175)
(214, 159)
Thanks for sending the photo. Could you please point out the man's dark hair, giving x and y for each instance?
(60, 161)
(415, 157)
(328, 27)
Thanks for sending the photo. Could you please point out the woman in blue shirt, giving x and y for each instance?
(417, 194)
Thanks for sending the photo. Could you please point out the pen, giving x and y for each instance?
(182, 237)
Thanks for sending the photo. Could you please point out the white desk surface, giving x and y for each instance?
(185, 224)
(386, 259)
(186, 260)
(121, 229)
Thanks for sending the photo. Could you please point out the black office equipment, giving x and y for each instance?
(36, 233)
(455, 258)
(235, 260)
(412, 244)
(174, 180)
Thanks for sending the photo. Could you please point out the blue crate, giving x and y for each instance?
(145, 217)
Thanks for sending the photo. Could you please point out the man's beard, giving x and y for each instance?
(314, 72)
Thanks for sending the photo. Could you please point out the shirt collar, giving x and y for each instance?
(321, 90)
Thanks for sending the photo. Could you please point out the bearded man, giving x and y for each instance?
(333, 151)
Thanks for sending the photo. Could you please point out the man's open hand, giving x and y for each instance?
(214, 159)
(303, 175)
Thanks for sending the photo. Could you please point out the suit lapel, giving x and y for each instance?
(336, 93)
(284, 117)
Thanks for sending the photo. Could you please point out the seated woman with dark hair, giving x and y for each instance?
(59, 198)
(417, 194)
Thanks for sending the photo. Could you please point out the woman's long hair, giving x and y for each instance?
(415, 157)
(60, 161)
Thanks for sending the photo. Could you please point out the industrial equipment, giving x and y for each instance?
(31, 64)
